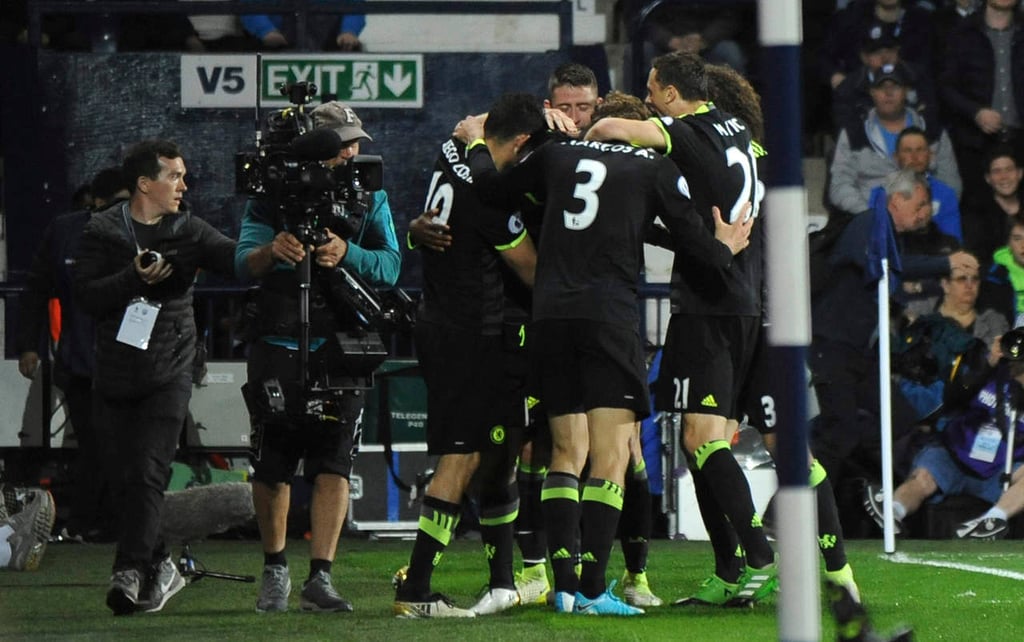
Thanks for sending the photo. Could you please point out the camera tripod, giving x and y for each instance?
(193, 570)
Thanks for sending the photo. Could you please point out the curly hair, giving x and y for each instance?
(733, 93)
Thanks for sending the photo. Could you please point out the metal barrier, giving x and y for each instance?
(303, 10)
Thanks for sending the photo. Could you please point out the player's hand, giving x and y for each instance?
(287, 249)
(735, 235)
(558, 120)
(332, 252)
(28, 363)
(425, 231)
(470, 128)
(156, 272)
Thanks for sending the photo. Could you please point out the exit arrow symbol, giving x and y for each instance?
(397, 81)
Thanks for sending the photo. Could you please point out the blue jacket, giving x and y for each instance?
(260, 24)
(847, 311)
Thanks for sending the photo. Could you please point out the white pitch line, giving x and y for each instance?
(903, 558)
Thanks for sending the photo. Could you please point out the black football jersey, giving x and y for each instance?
(599, 198)
(718, 159)
(462, 286)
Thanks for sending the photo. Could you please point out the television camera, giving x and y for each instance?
(294, 173)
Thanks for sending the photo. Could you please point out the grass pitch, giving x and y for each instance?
(946, 590)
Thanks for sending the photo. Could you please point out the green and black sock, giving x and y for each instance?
(560, 501)
(599, 515)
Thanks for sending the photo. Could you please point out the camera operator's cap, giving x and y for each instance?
(894, 73)
(341, 118)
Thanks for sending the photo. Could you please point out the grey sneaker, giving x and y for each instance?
(123, 594)
(31, 526)
(318, 594)
(165, 582)
(983, 528)
(275, 587)
(873, 498)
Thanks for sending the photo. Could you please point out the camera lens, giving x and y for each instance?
(148, 259)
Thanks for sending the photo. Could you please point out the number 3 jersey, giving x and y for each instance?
(462, 286)
(718, 159)
(598, 199)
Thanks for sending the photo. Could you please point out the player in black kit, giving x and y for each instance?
(587, 354)
(472, 419)
(716, 316)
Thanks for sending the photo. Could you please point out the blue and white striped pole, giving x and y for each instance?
(780, 34)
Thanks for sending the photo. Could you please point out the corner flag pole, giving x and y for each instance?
(885, 408)
(785, 206)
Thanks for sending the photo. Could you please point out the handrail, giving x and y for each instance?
(303, 9)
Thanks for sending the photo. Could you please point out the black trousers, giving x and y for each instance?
(91, 502)
(146, 429)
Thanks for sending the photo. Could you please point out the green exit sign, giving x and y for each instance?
(361, 80)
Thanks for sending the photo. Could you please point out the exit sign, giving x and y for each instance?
(361, 80)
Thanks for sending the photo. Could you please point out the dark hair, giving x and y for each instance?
(1017, 220)
(143, 159)
(684, 71)
(732, 93)
(1000, 150)
(107, 182)
(572, 74)
(514, 114)
(618, 104)
(913, 130)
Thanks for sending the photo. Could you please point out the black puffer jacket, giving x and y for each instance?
(105, 283)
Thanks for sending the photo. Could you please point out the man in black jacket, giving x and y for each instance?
(50, 277)
(135, 268)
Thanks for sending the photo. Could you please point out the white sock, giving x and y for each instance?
(899, 511)
(996, 512)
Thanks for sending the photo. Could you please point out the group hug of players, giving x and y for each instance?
(532, 248)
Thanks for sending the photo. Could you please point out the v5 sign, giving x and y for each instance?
(362, 80)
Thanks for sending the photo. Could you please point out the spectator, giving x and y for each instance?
(969, 455)
(988, 214)
(851, 99)
(908, 25)
(51, 277)
(324, 31)
(947, 329)
(1008, 266)
(843, 362)
(865, 150)
(945, 20)
(982, 86)
(914, 152)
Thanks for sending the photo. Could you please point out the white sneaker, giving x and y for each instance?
(431, 606)
(496, 600)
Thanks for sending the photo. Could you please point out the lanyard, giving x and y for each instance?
(131, 228)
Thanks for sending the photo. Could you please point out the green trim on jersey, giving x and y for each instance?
(515, 243)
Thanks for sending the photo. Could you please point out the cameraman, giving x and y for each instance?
(268, 251)
(134, 271)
